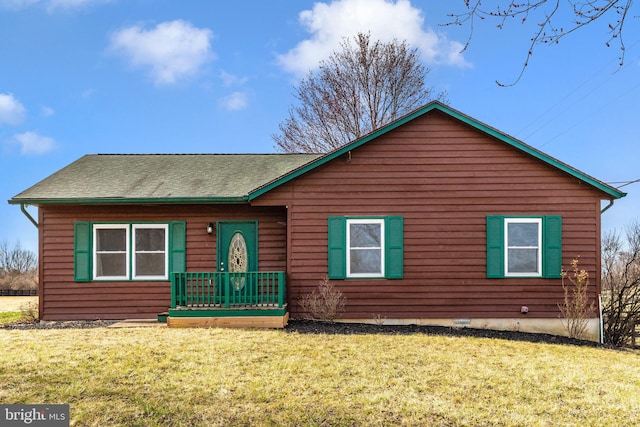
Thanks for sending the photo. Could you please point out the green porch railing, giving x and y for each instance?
(228, 290)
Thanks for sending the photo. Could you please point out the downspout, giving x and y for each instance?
(600, 296)
(601, 320)
(607, 207)
(28, 215)
(40, 273)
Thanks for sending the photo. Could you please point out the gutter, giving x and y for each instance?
(133, 201)
(28, 215)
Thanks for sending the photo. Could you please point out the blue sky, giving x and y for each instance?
(162, 76)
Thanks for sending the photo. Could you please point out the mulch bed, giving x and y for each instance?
(316, 327)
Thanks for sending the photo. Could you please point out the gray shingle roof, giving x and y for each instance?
(166, 177)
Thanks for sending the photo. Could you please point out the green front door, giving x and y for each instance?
(237, 250)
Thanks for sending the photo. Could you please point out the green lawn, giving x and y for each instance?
(209, 377)
(10, 317)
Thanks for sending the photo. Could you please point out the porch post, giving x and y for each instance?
(173, 290)
(227, 290)
(281, 288)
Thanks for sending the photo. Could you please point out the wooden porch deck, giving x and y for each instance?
(231, 300)
(203, 320)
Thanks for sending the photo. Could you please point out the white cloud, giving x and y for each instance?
(238, 100)
(47, 111)
(329, 23)
(12, 112)
(229, 79)
(171, 51)
(17, 4)
(234, 102)
(73, 4)
(51, 5)
(32, 143)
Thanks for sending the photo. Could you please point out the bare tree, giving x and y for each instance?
(552, 20)
(621, 285)
(18, 267)
(357, 90)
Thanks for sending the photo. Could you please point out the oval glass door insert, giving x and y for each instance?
(237, 261)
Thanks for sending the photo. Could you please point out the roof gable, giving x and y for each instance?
(433, 106)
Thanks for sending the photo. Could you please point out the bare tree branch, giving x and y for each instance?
(549, 17)
(358, 89)
(621, 285)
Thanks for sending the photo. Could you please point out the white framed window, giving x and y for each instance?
(150, 243)
(523, 247)
(111, 252)
(130, 251)
(365, 248)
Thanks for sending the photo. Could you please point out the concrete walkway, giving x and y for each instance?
(139, 323)
(14, 304)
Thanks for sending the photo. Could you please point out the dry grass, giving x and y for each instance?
(15, 303)
(209, 377)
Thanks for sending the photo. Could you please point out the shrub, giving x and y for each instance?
(20, 281)
(325, 303)
(29, 312)
(576, 309)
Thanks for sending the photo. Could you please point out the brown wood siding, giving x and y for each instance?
(444, 178)
(63, 299)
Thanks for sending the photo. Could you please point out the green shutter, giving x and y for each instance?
(394, 247)
(82, 251)
(552, 247)
(177, 247)
(495, 246)
(337, 238)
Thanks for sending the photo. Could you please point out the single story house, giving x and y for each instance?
(435, 218)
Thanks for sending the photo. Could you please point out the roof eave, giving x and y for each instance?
(130, 201)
